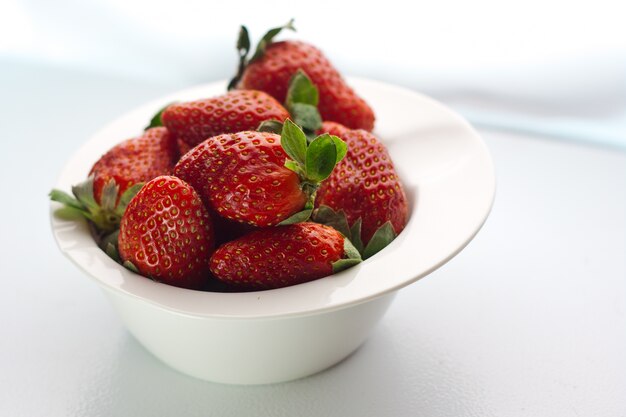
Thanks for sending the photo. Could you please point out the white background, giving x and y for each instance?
(555, 67)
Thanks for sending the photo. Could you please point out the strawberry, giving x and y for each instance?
(227, 230)
(247, 176)
(283, 256)
(365, 186)
(235, 111)
(166, 234)
(275, 63)
(136, 160)
(118, 175)
(183, 148)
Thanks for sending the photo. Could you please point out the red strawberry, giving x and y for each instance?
(251, 183)
(233, 112)
(282, 256)
(183, 148)
(118, 175)
(364, 184)
(166, 233)
(248, 178)
(227, 230)
(274, 64)
(135, 161)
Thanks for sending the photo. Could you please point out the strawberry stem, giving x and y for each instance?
(243, 48)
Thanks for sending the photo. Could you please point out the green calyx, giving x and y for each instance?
(301, 102)
(105, 216)
(313, 162)
(352, 257)
(244, 45)
(383, 236)
(109, 244)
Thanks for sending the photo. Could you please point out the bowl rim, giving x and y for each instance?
(350, 287)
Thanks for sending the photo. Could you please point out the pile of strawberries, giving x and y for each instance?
(240, 192)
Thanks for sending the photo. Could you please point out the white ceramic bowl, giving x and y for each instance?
(288, 333)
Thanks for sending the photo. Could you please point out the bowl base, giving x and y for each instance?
(250, 351)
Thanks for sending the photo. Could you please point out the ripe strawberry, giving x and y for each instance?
(274, 64)
(183, 148)
(166, 234)
(364, 184)
(136, 161)
(226, 230)
(247, 176)
(232, 112)
(117, 176)
(283, 256)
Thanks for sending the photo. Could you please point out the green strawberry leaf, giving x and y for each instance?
(299, 217)
(73, 208)
(301, 90)
(321, 157)
(313, 162)
(294, 166)
(105, 217)
(352, 257)
(109, 245)
(243, 48)
(355, 235)
(383, 237)
(293, 141)
(71, 213)
(111, 251)
(130, 266)
(301, 102)
(66, 199)
(109, 195)
(268, 38)
(110, 238)
(307, 116)
(339, 221)
(335, 219)
(243, 41)
(84, 193)
(126, 197)
(350, 251)
(343, 264)
(156, 119)
(271, 126)
(341, 146)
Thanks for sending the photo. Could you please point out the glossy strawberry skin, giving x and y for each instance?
(281, 60)
(364, 184)
(167, 233)
(136, 160)
(242, 177)
(236, 111)
(278, 256)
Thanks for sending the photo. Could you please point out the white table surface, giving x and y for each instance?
(529, 320)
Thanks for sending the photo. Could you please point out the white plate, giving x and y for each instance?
(446, 170)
